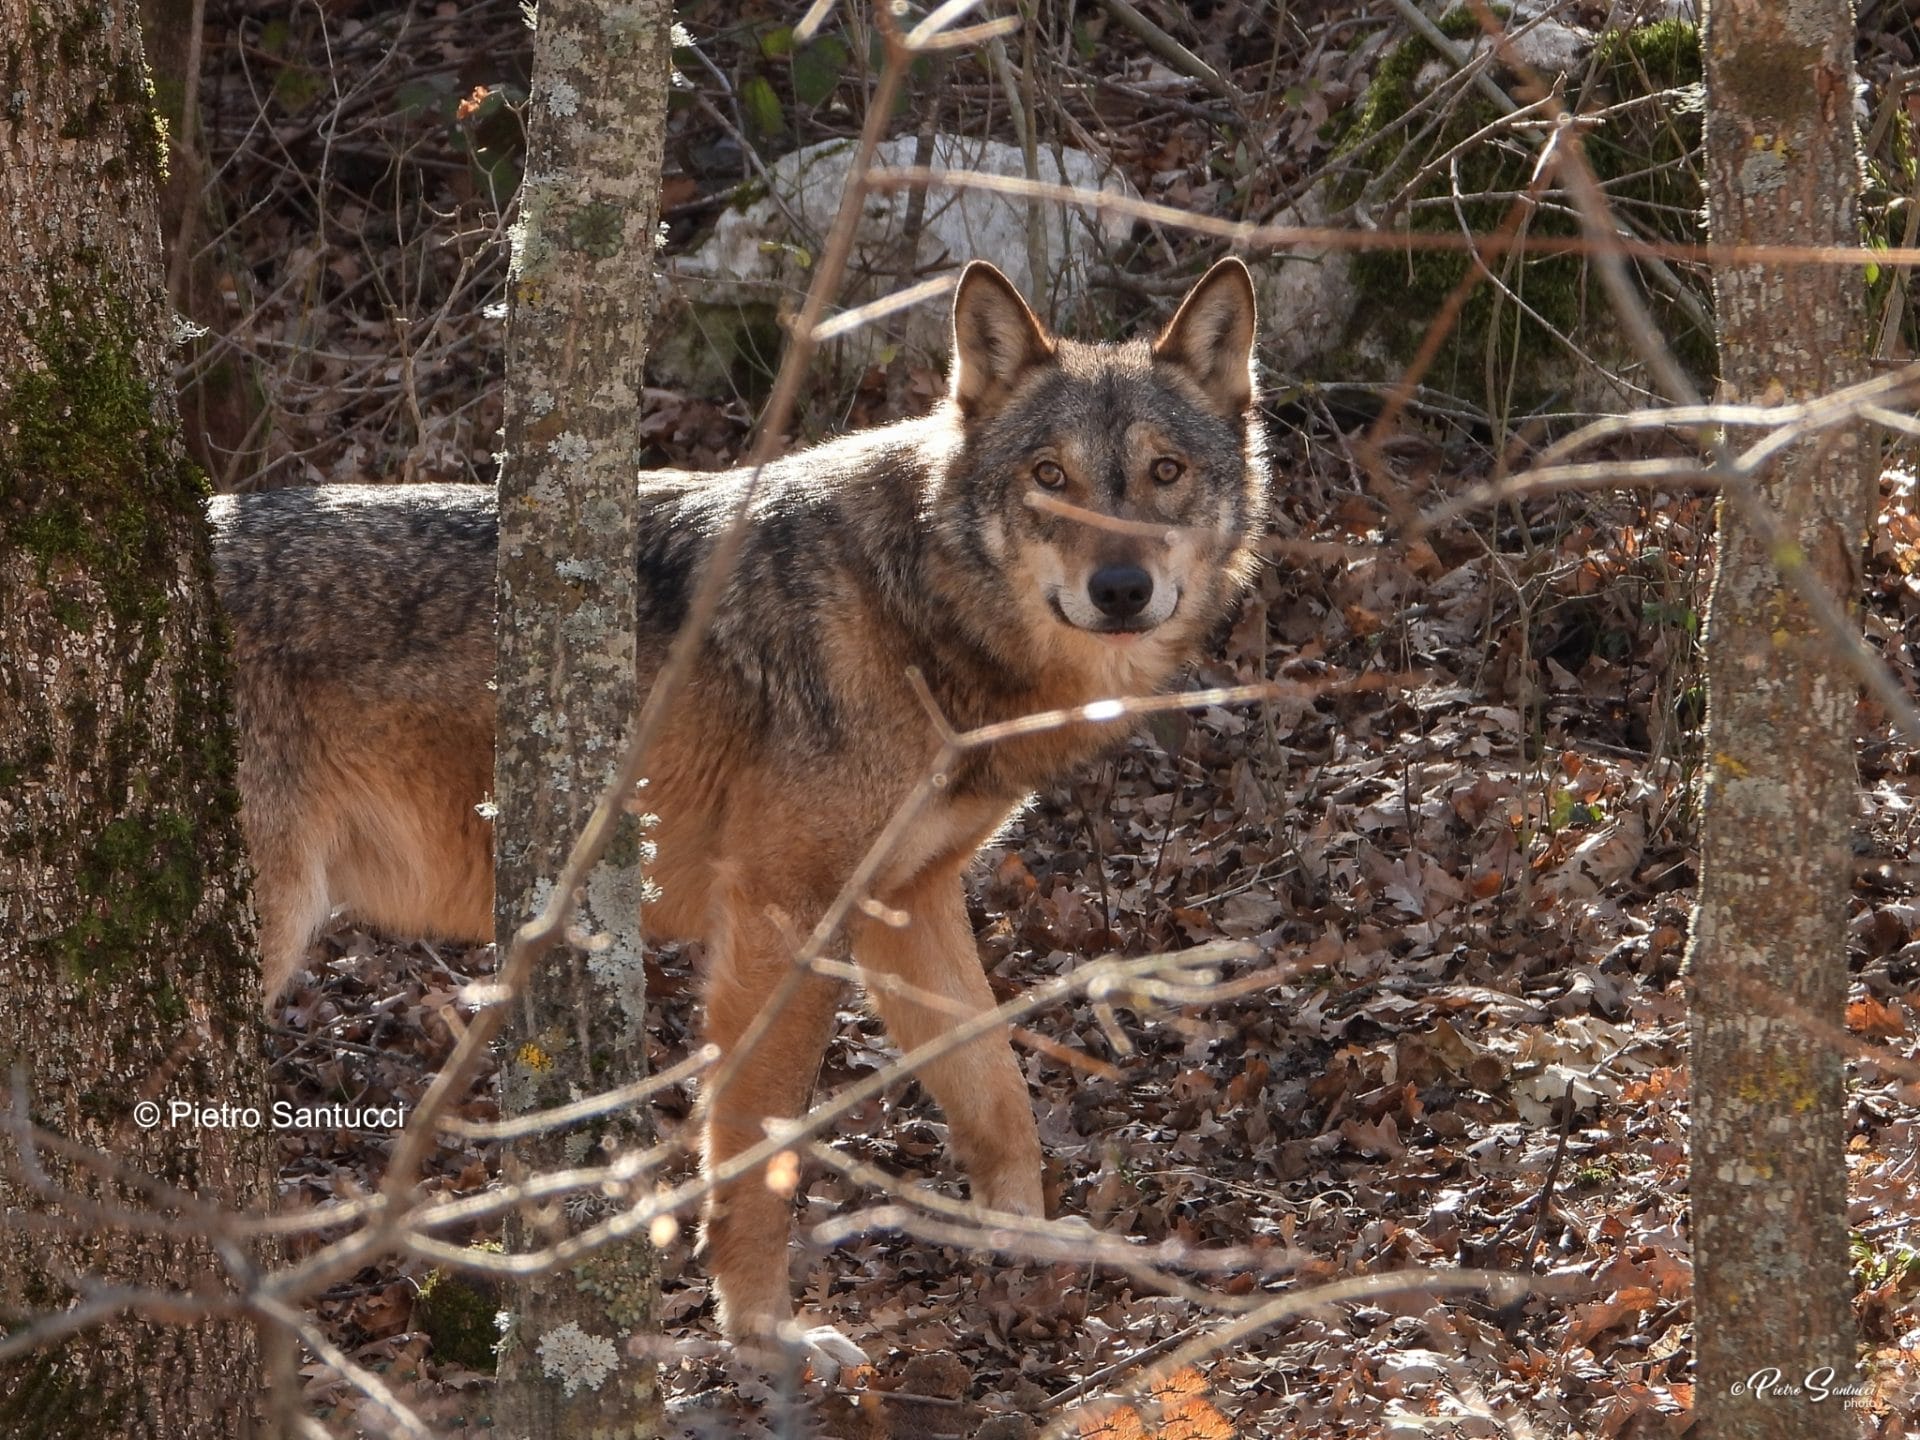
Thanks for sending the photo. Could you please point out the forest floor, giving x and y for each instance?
(1463, 848)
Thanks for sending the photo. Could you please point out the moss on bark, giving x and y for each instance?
(125, 929)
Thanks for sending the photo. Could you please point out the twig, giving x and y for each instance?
(401, 1419)
(1249, 235)
(1786, 426)
(1174, 53)
(1106, 1372)
(1543, 1202)
(1451, 52)
(849, 320)
(985, 1230)
(102, 1304)
(186, 151)
(618, 1098)
(1140, 981)
(1020, 107)
(1297, 1304)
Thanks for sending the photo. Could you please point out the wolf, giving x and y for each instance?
(363, 627)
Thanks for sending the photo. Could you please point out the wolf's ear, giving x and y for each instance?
(1211, 335)
(996, 338)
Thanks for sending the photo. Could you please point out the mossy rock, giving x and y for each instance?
(457, 1313)
(1543, 339)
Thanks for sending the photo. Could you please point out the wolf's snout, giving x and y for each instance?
(1120, 592)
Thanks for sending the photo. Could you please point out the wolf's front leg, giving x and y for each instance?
(747, 1224)
(977, 1084)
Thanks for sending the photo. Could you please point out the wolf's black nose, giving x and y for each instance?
(1120, 591)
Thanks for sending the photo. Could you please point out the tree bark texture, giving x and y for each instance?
(1768, 960)
(126, 935)
(579, 289)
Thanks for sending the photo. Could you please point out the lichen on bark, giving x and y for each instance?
(577, 320)
(1767, 960)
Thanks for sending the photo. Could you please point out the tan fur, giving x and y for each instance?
(364, 650)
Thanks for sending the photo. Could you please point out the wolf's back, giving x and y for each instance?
(386, 590)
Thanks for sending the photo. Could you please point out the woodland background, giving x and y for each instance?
(1474, 869)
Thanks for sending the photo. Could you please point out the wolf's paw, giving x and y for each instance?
(1014, 1191)
(826, 1351)
(820, 1352)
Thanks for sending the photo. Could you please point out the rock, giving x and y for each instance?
(726, 294)
(1306, 296)
(1542, 340)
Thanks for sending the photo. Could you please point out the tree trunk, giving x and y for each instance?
(1768, 960)
(126, 938)
(580, 287)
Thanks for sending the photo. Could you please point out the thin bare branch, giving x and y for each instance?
(1249, 235)
(399, 1417)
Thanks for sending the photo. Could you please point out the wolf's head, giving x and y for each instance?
(1111, 493)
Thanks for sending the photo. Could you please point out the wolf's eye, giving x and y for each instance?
(1166, 470)
(1049, 475)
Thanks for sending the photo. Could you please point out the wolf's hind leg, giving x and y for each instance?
(290, 890)
(747, 1224)
(978, 1084)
